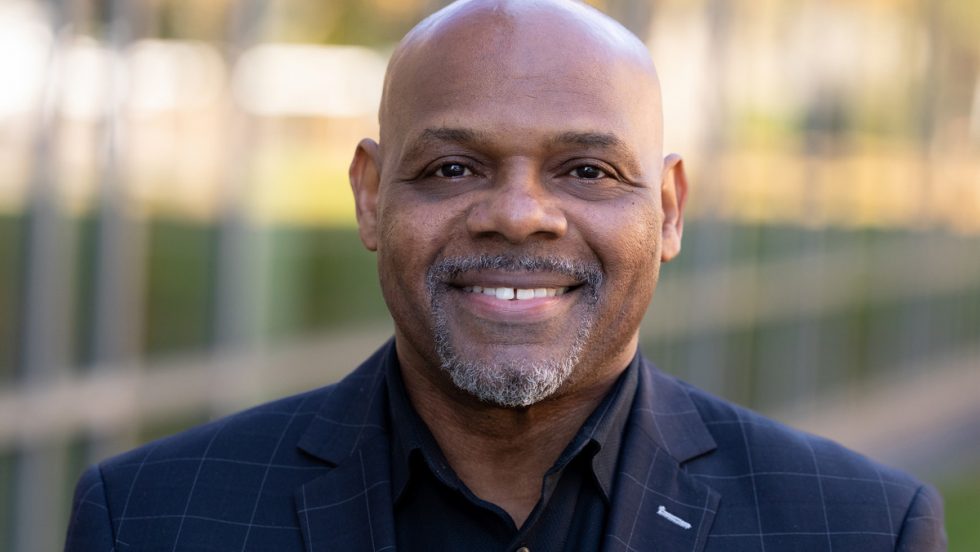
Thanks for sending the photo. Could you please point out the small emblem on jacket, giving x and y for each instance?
(662, 512)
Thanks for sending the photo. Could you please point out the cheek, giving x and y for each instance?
(629, 241)
(399, 276)
(629, 249)
(416, 230)
(410, 238)
(634, 266)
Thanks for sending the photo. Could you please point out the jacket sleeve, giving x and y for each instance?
(90, 527)
(922, 529)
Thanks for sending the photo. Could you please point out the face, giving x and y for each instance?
(517, 208)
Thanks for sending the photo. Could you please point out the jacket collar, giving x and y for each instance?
(656, 505)
(350, 507)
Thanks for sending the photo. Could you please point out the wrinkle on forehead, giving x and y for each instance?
(510, 40)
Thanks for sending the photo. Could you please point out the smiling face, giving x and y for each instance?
(516, 201)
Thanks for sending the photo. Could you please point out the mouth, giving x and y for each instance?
(516, 293)
(514, 290)
(515, 298)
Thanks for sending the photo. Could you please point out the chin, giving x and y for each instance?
(504, 352)
(511, 377)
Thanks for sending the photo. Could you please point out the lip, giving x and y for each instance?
(526, 311)
(520, 280)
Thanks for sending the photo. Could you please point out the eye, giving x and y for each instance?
(453, 170)
(589, 172)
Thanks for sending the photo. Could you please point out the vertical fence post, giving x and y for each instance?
(707, 354)
(236, 301)
(118, 276)
(40, 465)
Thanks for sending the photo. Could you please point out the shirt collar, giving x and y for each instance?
(602, 433)
(600, 436)
(412, 442)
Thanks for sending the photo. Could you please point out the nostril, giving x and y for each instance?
(517, 215)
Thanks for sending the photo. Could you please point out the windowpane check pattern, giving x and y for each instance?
(312, 472)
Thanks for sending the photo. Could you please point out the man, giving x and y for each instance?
(520, 207)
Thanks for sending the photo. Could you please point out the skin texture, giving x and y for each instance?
(517, 129)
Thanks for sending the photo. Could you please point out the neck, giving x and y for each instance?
(502, 454)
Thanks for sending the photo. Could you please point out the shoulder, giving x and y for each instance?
(229, 480)
(260, 427)
(211, 477)
(786, 478)
(754, 445)
(228, 451)
(264, 433)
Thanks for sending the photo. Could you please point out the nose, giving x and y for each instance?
(518, 206)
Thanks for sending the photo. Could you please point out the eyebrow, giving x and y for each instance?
(603, 140)
(462, 136)
(459, 135)
(465, 136)
(594, 139)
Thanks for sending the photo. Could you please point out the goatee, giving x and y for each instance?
(513, 383)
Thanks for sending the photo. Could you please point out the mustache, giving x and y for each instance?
(588, 272)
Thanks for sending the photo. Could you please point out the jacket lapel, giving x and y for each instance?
(350, 507)
(656, 505)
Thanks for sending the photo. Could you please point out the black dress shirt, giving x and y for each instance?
(434, 510)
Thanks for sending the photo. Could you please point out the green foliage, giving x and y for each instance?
(319, 278)
(6, 498)
(179, 275)
(11, 238)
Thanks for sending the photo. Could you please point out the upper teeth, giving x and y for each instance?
(507, 293)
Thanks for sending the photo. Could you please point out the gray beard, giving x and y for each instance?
(510, 383)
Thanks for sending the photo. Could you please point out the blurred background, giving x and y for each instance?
(177, 237)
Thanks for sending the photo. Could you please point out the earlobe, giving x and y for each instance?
(365, 178)
(673, 195)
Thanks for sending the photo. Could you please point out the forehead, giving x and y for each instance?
(501, 78)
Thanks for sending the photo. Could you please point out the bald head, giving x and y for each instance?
(520, 151)
(504, 41)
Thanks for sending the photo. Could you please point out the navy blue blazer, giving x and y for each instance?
(311, 472)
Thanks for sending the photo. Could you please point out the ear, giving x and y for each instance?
(673, 195)
(365, 177)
